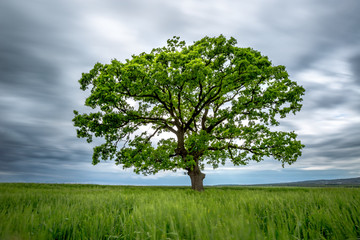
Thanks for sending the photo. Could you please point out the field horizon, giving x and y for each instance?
(351, 182)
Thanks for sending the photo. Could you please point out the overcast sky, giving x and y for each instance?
(46, 45)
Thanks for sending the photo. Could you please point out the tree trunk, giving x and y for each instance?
(197, 178)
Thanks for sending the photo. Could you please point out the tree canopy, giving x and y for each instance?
(215, 101)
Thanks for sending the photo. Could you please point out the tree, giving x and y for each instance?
(215, 101)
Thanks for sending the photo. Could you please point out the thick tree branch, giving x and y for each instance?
(157, 120)
(211, 127)
(169, 109)
(203, 120)
(201, 105)
(232, 146)
(179, 103)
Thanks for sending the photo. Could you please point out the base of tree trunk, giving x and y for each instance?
(197, 178)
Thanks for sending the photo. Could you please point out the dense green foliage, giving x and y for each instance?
(217, 100)
(50, 211)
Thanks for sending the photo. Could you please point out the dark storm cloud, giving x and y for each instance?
(322, 38)
(344, 145)
(20, 143)
(35, 153)
(355, 67)
(329, 100)
(34, 102)
(339, 22)
(303, 32)
(29, 49)
(326, 98)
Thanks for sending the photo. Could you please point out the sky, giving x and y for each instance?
(46, 45)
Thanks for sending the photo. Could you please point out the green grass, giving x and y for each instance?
(56, 211)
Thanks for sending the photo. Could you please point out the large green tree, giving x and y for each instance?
(215, 101)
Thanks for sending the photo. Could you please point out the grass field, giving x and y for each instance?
(56, 211)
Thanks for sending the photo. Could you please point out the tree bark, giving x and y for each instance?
(197, 178)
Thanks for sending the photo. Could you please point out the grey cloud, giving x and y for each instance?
(329, 100)
(337, 25)
(38, 154)
(336, 150)
(342, 99)
(355, 67)
(19, 142)
(35, 52)
(310, 30)
(151, 22)
(347, 140)
(32, 50)
(332, 99)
